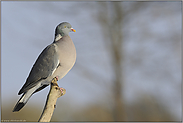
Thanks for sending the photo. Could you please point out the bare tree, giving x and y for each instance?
(112, 24)
(112, 17)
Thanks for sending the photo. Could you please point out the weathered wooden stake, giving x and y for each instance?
(54, 93)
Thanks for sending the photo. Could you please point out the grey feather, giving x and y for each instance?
(43, 67)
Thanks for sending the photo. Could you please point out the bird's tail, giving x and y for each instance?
(23, 100)
(20, 104)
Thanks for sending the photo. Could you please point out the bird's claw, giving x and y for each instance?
(61, 89)
(56, 78)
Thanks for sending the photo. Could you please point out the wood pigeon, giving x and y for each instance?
(55, 60)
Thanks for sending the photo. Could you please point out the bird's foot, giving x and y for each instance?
(56, 78)
(61, 89)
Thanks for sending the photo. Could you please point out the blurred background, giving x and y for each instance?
(128, 64)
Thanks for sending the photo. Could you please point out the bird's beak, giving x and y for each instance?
(73, 30)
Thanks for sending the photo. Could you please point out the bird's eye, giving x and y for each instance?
(65, 26)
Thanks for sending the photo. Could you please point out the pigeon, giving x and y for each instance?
(56, 60)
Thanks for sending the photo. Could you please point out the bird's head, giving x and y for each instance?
(63, 29)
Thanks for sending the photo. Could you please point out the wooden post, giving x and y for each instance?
(54, 93)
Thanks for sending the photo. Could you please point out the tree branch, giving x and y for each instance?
(54, 94)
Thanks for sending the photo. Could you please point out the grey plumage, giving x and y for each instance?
(54, 61)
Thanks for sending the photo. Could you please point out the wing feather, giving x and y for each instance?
(44, 66)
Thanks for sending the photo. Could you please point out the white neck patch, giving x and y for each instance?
(58, 37)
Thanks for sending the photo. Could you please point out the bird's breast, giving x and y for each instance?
(66, 56)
